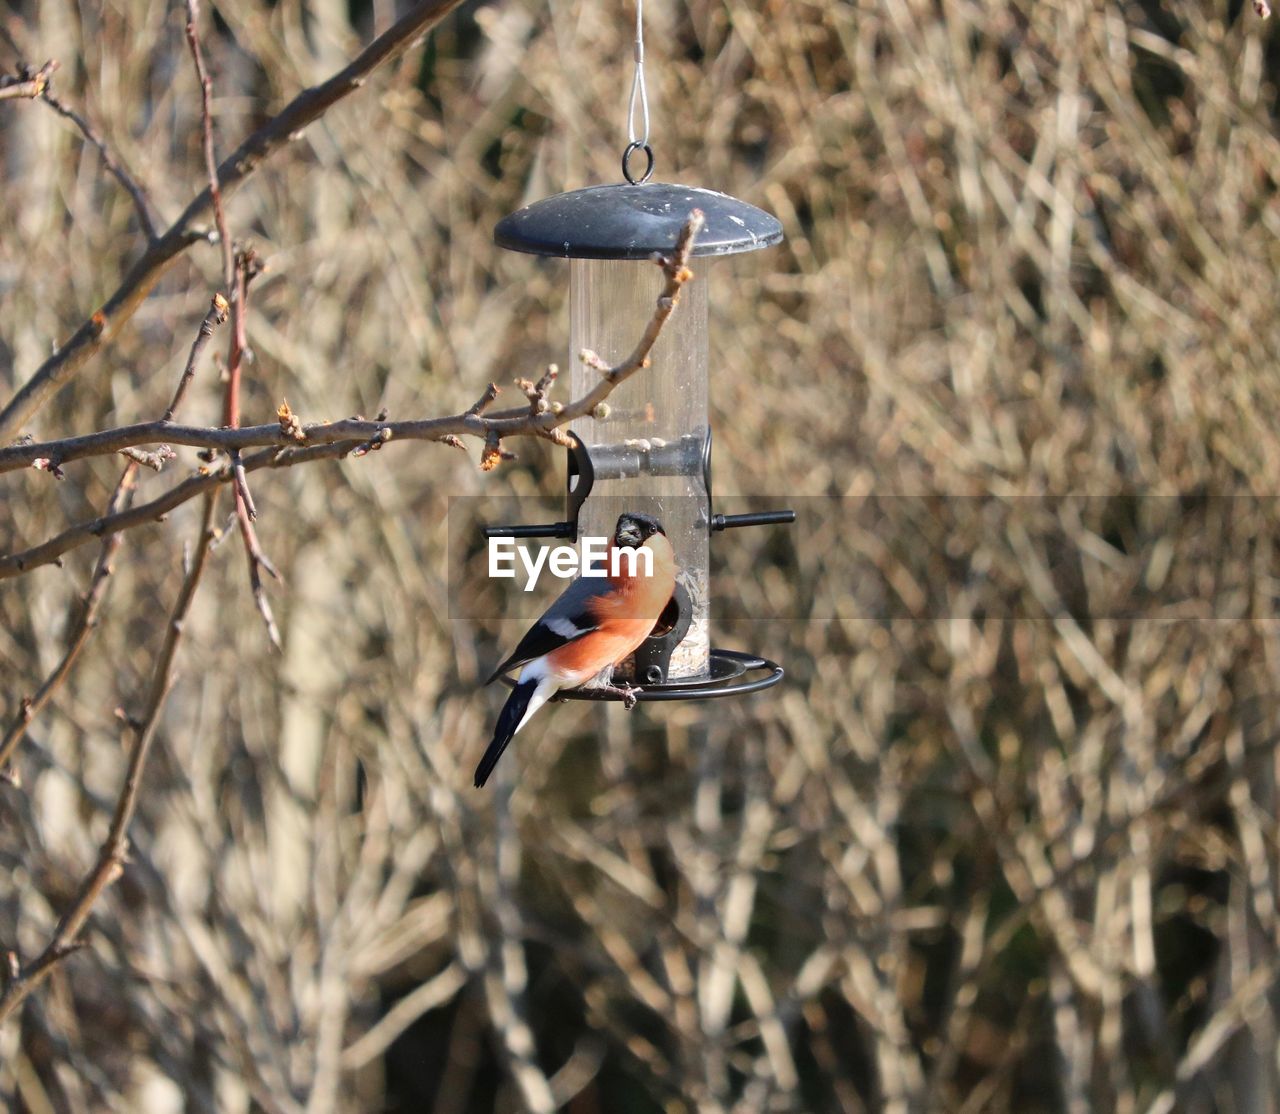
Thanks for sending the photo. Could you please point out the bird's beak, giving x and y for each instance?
(628, 536)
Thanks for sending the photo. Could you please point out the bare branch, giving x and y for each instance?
(84, 626)
(27, 84)
(242, 485)
(114, 166)
(31, 706)
(114, 852)
(334, 439)
(527, 421)
(291, 432)
(675, 268)
(216, 316)
(206, 480)
(431, 995)
(206, 135)
(482, 403)
(280, 130)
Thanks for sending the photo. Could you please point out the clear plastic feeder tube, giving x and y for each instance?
(647, 452)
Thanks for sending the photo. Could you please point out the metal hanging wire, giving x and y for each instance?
(638, 138)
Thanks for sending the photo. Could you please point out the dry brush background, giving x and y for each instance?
(1005, 840)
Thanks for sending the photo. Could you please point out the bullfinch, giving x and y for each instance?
(595, 624)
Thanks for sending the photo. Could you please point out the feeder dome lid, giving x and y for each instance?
(633, 222)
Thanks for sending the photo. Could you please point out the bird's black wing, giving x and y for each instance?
(568, 619)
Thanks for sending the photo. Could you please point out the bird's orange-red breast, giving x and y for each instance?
(596, 623)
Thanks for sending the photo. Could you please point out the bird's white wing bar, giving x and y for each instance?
(565, 627)
(568, 619)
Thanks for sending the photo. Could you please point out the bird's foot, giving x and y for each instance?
(625, 691)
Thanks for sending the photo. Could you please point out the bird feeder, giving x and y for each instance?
(650, 450)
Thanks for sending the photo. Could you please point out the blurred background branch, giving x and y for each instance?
(1004, 840)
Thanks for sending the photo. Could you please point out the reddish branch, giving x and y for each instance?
(282, 129)
(258, 562)
(83, 628)
(20, 980)
(238, 270)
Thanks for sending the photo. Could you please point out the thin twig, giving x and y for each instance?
(246, 268)
(216, 316)
(482, 403)
(675, 268)
(280, 130)
(506, 977)
(27, 84)
(243, 496)
(258, 561)
(31, 706)
(114, 851)
(206, 135)
(431, 995)
(98, 584)
(114, 166)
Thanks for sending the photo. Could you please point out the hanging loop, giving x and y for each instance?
(632, 148)
(638, 136)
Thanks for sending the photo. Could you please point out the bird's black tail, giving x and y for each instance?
(508, 721)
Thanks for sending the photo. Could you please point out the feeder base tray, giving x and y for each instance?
(727, 676)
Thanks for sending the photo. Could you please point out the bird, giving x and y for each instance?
(595, 624)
